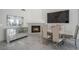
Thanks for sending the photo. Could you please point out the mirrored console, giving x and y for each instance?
(16, 33)
(15, 29)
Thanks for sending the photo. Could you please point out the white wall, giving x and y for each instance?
(3, 19)
(73, 19)
(36, 16)
(30, 16)
(15, 12)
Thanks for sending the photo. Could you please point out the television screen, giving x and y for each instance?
(58, 17)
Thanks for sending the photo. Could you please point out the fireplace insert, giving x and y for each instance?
(35, 29)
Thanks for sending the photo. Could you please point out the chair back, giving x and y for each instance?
(44, 31)
(76, 32)
(56, 31)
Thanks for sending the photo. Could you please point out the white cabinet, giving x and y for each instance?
(1, 34)
(15, 33)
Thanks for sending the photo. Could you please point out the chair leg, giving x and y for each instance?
(61, 43)
(75, 44)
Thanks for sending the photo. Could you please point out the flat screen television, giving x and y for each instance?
(58, 17)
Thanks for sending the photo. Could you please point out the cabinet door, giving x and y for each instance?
(1, 34)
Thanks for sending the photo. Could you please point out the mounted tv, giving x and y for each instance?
(58, 17)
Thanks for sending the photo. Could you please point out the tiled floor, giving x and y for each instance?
(35, 42)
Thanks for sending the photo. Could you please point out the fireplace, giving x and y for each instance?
(35, 29)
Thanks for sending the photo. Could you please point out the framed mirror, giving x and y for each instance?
(14, 21)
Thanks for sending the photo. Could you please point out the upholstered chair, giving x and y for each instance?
(56, 34)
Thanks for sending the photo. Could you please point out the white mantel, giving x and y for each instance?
(35, 24)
